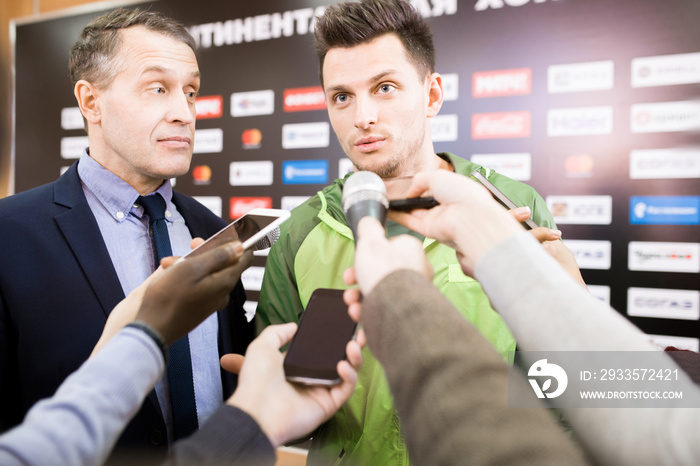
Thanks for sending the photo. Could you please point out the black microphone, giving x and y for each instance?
(364, 194)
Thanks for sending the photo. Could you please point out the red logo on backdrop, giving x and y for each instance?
(502, 83)
(239, 206)
(579, 165)
(209, 107)
(501, 125)
(251, 138)
(303, 99)
(201, 174)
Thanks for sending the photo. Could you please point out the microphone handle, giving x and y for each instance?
(365, 208)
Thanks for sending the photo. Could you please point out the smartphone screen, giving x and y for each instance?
(319, 344)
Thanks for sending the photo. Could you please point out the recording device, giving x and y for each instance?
(408, 204)
(324, 330)
(258, 228)
(364, 194)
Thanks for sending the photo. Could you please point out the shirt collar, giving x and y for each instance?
(116, 195)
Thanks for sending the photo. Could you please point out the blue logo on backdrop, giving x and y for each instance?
(665, 210)
(305, 172)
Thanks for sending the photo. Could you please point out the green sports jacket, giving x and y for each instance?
(314, 248)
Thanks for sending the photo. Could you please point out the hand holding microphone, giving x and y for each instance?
(364, 195)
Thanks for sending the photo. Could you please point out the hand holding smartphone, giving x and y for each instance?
(428, 202)
(248, 229)
(324, 330)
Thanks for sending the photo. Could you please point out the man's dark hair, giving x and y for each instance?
(348, 24)
(94, 56)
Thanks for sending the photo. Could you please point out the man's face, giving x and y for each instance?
(379, 106)
(147, 114)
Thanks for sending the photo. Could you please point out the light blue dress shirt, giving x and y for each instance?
(124, 228)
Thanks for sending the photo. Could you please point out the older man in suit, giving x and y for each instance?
(72, 249)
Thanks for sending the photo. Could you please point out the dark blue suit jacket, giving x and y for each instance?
(57, 287)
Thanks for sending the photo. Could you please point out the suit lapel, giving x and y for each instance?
(82, 233)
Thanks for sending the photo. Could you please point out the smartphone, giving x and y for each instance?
(324, 330)
(248, 229)
(500, 197)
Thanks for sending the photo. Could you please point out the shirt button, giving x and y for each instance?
(156, 437)
(120, 215)
(167, 213)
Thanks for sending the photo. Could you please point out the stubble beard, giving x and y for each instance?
(389, 169)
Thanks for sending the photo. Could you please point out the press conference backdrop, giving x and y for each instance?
(595, 103)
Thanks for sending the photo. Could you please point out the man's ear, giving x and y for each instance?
(87, 96)
(435, 94)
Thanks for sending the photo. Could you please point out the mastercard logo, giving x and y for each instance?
(579, 165)
(251, 138)
(201, 174)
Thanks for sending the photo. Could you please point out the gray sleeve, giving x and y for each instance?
(450, 386)
(548, 311)
(545, 308)
(82, 421)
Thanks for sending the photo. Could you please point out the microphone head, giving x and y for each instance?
(268, 240)
(364, 186)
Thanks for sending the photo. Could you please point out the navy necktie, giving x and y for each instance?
(182, 401)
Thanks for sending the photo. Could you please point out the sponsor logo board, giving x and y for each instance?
(305, 172)
(517, 166)
(290, 202)
(304, 99)
(666, 70)
(252, 103)
(500, 83)
(662, 117)
(657, 256)
(501, 125)
(239, 206)
(590, 254)
(663, 303)
(71, 118)
(255, 173)
(305, 135)
(444, 128)
(659, 164)
(208, 141)
(345, 166)
(665, 210)
(209, 107)
(450, 86)
(581, 77)
(251, 138)
(579, 121)
(201, 175)
(250, 307)
(581, 210)
(73, 147)
(213, 203)
(579, 166)
(252, 278)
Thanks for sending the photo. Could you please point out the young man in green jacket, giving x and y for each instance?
(377, 70)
